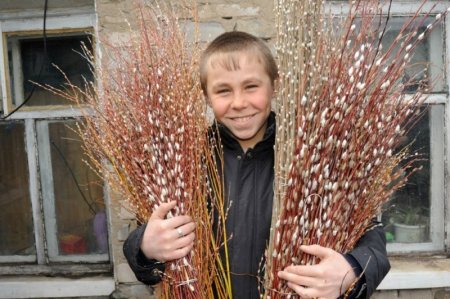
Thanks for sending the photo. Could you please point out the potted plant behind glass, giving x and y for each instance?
(409, 214)
(410, 223)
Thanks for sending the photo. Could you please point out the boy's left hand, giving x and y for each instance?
(328, 279)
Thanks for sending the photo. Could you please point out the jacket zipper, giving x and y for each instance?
(255, 202)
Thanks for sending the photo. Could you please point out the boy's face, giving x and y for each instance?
(241, 98)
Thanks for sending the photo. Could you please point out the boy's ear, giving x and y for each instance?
(276, 85)
(205, 98)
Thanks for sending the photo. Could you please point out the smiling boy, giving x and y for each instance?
(239, 90)
(238, 75)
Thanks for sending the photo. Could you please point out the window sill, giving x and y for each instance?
(47, 287)
(56, 270)
(416, 272)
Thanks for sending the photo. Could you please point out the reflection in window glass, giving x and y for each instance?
(426, 66)
(29, 62)
(79, 206)
(407, 215)
(16, 222)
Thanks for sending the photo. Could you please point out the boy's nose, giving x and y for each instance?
(239, 101)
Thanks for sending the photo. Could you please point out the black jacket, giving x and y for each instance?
(249, 184)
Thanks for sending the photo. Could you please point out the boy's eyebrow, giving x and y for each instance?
(246, 81)
(252, 80)
(219, 85)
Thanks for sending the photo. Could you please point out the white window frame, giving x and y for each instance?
(36, 122)
(15, 93)
(78, 19)
(14, 281)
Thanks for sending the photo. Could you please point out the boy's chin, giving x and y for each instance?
(243, 136)
(249, 136)
(246, 140)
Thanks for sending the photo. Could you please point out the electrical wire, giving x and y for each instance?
(46, 59)
(72, 174)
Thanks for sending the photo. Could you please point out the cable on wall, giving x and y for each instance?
(44, 33)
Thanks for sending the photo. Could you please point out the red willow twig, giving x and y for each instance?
(341, 111)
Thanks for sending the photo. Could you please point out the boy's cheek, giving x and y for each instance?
(217, 110)
(216, 105)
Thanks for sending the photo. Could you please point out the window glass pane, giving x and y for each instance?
(29, 62)
(426, 67)
(16, 220)
(79, 206)
(407, 215)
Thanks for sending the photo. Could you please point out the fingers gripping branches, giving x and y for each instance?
(341, 110)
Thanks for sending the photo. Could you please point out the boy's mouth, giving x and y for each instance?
(242, 118)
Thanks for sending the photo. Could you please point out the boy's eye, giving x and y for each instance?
(222, 91)
(251, 86)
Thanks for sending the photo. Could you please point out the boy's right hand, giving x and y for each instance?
(168, 239)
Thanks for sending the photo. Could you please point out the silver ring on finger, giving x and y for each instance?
(180, 233)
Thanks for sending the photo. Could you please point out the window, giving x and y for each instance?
(75, 218)
(427, 62)
(31, 60)
(15, 205)
(414, 219)
(72, 196)
(52, 203)
(421, 200)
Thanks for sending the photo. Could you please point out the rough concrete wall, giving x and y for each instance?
(413, 294)
(253, 16)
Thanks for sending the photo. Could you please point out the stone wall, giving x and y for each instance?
(215, 17)
(413, 294)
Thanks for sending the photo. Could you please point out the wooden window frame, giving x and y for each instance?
(59, 23)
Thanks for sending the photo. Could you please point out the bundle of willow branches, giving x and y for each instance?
(147, 124)
(341, 111)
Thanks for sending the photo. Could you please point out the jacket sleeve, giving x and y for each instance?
(146, 271)
(370, 253)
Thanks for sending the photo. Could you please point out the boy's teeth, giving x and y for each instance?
(244, 118)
